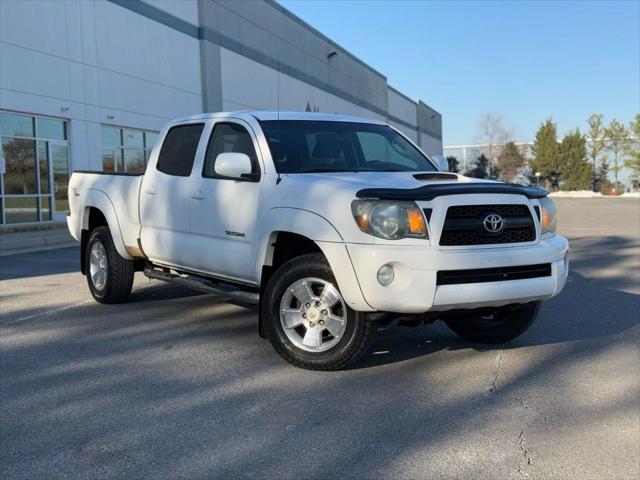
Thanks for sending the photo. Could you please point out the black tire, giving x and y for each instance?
(356, 340)
(500, 326)
(120, 271)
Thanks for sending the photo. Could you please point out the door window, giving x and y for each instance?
(178, 150)
(228, 138)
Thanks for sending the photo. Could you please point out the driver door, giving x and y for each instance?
(223, 211)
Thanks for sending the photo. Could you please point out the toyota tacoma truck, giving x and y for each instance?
(332, 225)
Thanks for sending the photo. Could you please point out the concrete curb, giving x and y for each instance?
(13, 243)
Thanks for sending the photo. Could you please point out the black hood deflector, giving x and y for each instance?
(429, 192)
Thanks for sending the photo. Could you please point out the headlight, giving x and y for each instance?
(389, 220)
(548, 217)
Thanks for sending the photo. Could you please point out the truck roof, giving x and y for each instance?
(265, 115)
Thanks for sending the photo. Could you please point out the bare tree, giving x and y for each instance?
(617, 140)
(493, 133)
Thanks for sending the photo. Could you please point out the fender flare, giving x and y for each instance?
(318, 229)
(291, 220)
(99, 200)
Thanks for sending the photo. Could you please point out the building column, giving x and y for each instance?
(210, 64)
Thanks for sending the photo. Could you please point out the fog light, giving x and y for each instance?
(385, 275)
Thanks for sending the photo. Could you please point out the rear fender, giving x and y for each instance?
(99, 200)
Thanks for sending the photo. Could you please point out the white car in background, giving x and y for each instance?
(331, 224)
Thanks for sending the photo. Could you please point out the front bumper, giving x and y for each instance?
(414, 289)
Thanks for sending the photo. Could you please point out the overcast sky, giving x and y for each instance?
(523, 60)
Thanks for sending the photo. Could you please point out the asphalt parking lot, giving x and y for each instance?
(175, 385)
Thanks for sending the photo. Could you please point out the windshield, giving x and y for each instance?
(318, 146)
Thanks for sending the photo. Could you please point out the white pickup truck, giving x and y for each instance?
(331, 224)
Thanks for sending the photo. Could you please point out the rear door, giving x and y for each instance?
(165, 194)
(223, 211)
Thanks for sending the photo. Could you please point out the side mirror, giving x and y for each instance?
(233, 165)
(441, 163)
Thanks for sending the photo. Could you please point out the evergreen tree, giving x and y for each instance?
(510, 161)
(603, 185)
(454, 164)
(546, 153)
(632, 149)
(480, 168)
(575, 170)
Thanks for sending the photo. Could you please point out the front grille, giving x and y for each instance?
(481, 275)
(463, 225)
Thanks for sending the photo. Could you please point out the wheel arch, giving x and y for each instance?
(298, 228)
(98, 210)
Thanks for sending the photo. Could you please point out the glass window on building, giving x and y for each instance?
(35, 150)
(126, 149)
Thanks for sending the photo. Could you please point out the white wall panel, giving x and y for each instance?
(76, 82)
(134, 45)
(129, 94)
(430, 145)
(88, 33)
(246, 82)
(73, 29)
(91, 84)
(39, 25)
(402, 108)
(411, 133)
(26, 70)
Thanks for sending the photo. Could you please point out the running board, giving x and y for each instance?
(197, 283)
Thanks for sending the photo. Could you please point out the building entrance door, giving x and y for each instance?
(35, 177)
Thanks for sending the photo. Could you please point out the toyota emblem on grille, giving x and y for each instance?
(493, 223)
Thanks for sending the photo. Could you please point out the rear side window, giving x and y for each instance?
(228, 138)
(179, 150)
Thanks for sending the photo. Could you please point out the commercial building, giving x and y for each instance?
(88, 84)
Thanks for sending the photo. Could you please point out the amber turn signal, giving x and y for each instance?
(415, 220)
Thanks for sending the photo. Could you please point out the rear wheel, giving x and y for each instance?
(497, 326)
(308, 322)
(109, 276)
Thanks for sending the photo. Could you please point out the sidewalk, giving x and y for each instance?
(12, 243)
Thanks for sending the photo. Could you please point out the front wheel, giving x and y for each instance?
(308, 322)
(498, 326)
(110, 277)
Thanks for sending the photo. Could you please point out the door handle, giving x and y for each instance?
(198, 195)
(150, 191)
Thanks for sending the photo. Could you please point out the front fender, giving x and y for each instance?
(318, 229)
(98, 199)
